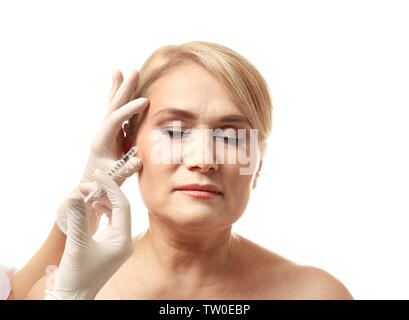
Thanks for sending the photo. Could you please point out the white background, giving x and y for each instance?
(334, 188)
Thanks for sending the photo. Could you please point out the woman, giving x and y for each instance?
(189, 250)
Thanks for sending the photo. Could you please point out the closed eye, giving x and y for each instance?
(184, 134)
(228, 139)
(176, 133)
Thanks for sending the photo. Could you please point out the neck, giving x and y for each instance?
(192, 257)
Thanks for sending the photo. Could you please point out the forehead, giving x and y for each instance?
(191, 87)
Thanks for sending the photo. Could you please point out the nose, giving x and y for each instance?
(199, 152)
(203, 167)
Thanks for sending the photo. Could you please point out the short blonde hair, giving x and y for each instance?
(245, 83)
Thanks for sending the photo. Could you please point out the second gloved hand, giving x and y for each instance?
(88, 264)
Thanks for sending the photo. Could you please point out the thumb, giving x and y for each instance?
(121, 210)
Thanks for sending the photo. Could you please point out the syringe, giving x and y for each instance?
(112, 172)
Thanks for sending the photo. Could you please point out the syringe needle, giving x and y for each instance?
(112, 172)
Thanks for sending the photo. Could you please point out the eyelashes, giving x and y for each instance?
(186, 133)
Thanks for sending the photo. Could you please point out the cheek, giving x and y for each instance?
(241, 186)
(152, 175)
(153, 180)
(154, 147)
(242, 158)
(142, 141)
(238, 186)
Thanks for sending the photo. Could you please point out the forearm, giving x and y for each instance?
(50, 253)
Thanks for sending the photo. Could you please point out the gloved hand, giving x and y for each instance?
(108, 145)
(87, 264)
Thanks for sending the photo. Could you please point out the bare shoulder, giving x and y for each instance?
(301, 282)
(281, 278)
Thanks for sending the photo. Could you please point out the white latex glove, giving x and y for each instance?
(108, 145)
(87, 264)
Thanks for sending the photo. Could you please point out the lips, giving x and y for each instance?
(197, 187)
(202, 192)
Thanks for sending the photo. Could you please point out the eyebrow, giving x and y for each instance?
(190, 115)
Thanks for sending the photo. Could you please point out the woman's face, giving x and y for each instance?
(191, 89)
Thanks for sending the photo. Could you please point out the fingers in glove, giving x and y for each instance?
(99, 203)
(113, 124)
(62, 209)
(121, 210)
(102, 208)
(100, 196)
(84, 188)
(117, 80)
(125, 91)
(78, 228)
(132, 166)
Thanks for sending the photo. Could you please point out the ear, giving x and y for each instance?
(257, 174)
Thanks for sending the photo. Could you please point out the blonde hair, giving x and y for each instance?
(245, 83)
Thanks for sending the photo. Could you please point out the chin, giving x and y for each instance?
(191, 217)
